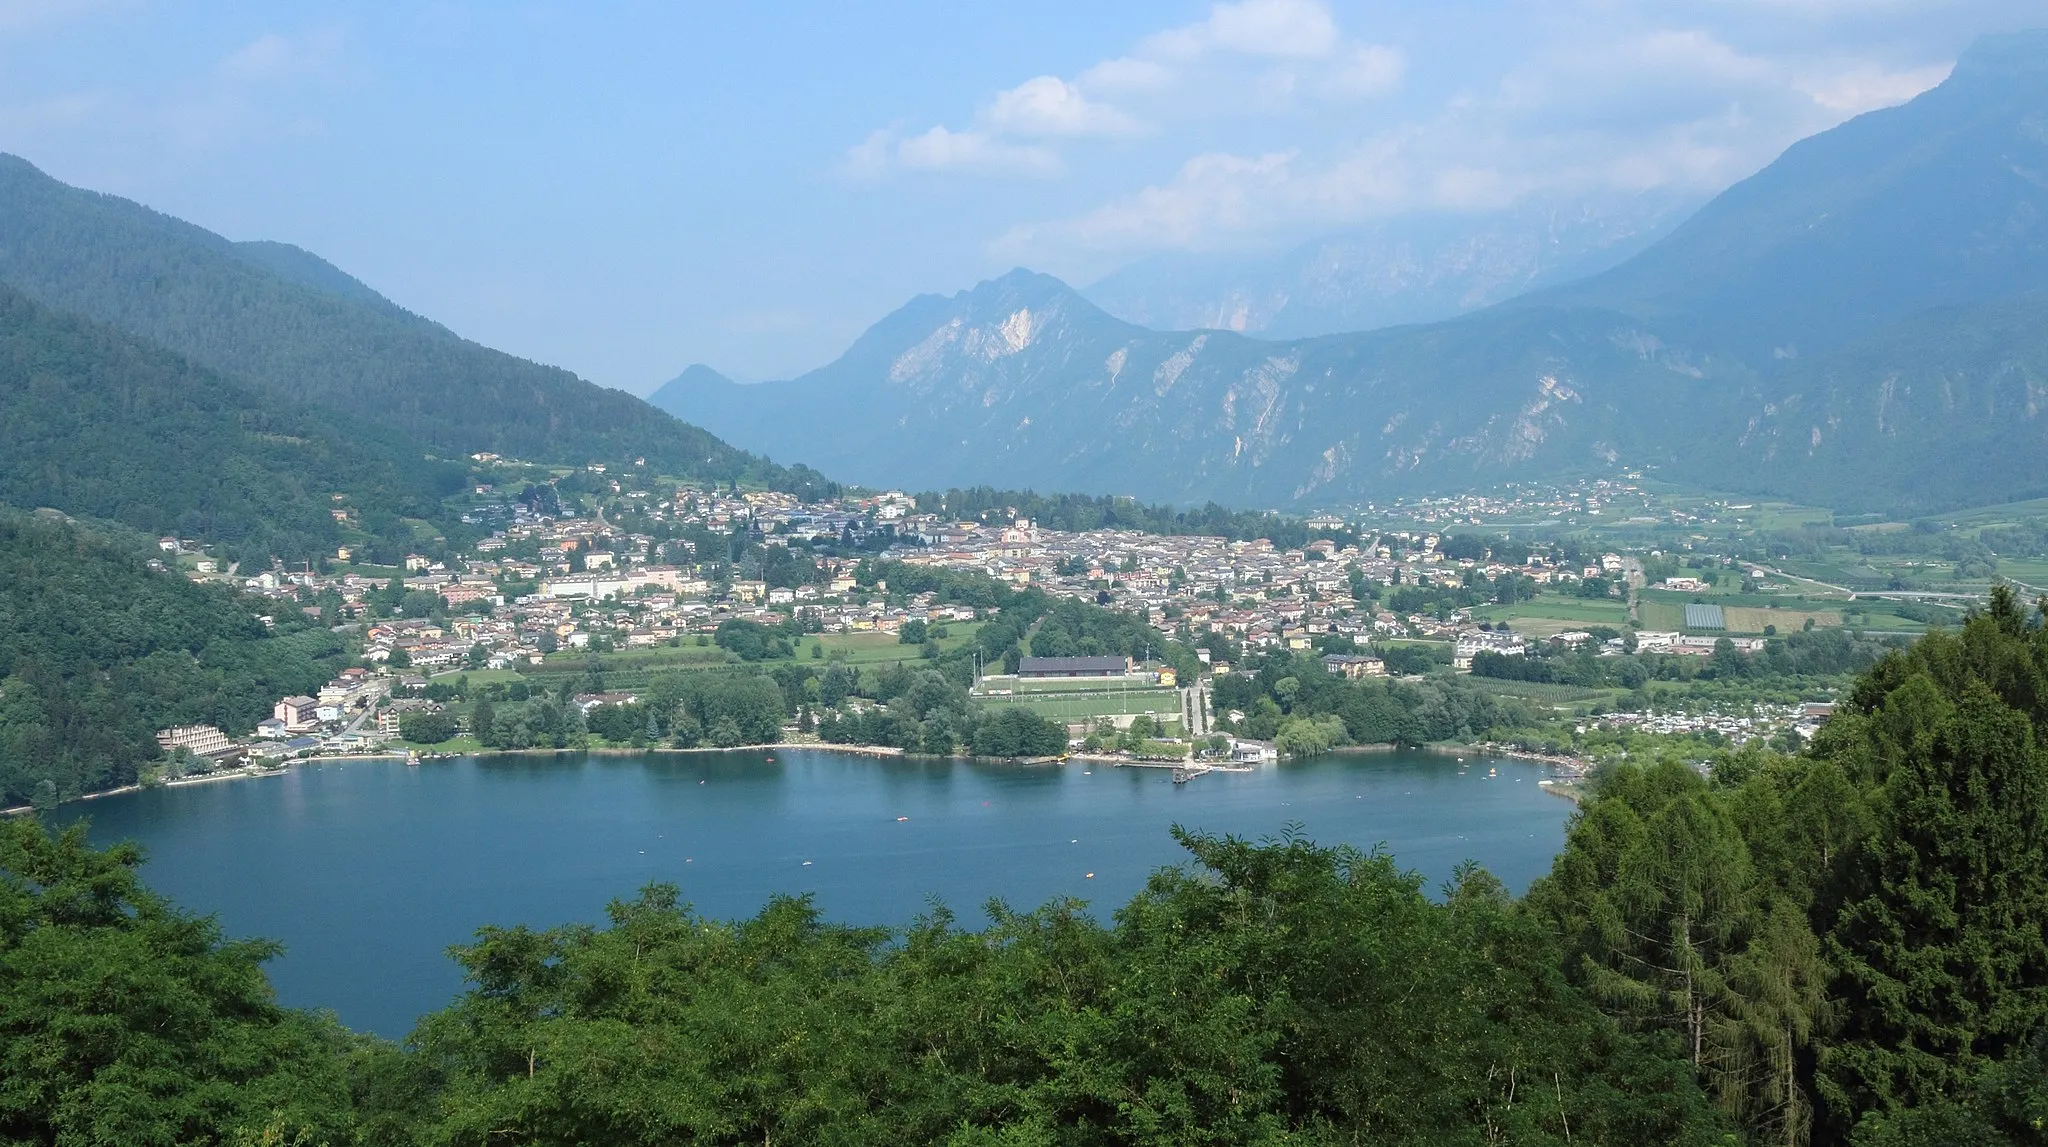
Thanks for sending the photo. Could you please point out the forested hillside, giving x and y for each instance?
(100, 424)
(98, 652)
(287, 321)
(1849, 946)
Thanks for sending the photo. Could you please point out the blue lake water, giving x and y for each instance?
(368, 871)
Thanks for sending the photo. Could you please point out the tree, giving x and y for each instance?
(125, 1020)
(1943, 939)
(426, 728)
(725, 732)
(936, 736)
(1655, 892)
(483, 722)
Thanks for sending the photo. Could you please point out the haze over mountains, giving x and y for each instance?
(1857, 324)
(1412, 270)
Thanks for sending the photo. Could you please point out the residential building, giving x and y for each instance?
(203, 740)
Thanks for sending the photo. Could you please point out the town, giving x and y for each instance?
(603, 562)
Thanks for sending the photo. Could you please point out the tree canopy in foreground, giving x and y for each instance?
(1847, 946)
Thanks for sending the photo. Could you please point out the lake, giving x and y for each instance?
(369, 870)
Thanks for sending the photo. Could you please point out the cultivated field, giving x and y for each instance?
(1748, 619)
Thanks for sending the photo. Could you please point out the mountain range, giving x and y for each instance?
(1410, 270)
(1859, 324)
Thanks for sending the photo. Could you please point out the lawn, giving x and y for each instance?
(883, 648)
(1747, 619)
(1551, 614)
(1072, 684)
(2033, 573)
(685, 656)
(1662, 616)
(480, 676)
(860, 648)
(1075, 707)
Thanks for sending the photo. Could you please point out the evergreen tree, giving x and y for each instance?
(483, 723)
(1943, 943)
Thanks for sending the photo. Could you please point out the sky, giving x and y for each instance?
(623, 189)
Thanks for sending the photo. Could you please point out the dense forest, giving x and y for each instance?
(98, 651)
(290, 323)
(1848, 946)
(102, 425)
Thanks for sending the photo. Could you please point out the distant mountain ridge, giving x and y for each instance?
(1857, 324)
(1412, 270)
(286, 320)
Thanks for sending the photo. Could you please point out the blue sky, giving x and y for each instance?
(625, 188)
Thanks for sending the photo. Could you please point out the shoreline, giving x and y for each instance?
(1564, 762)
(1572, 767)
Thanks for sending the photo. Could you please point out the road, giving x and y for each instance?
(1632, 575)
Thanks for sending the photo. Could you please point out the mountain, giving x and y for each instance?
(1411, 270)
(101, 424)
(287, 321)
(695, 374)
(1023, 383)
(1858, 324)
(1940, 202)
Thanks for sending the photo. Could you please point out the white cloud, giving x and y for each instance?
(1127, 74)
(1048, 105)
(273, 56)
(1249, 57)
(256, 90)
(1368, 69)
(1866, 88)
(1300, 29)
(940, 149)
(1212, 197)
